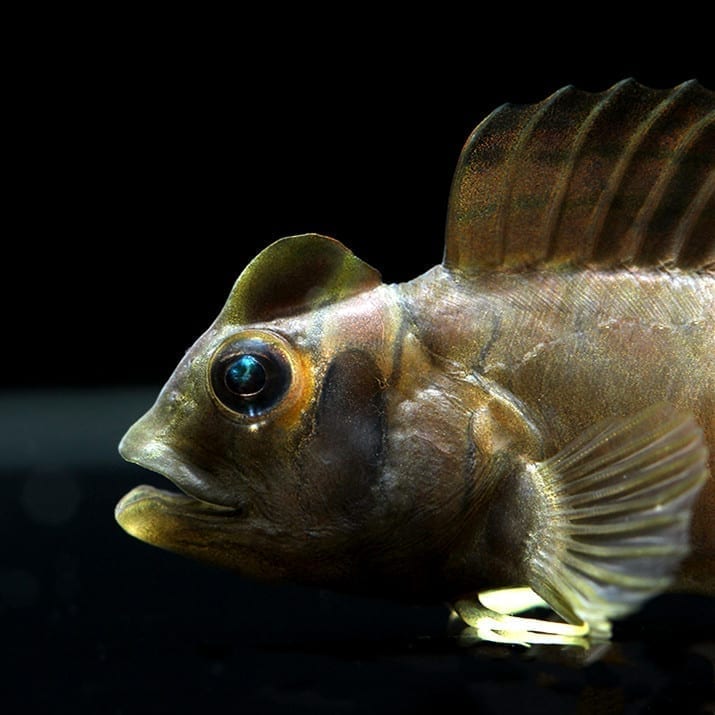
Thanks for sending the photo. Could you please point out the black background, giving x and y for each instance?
(150, 158)
(153, 157)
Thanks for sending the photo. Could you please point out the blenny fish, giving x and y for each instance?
(535, 413)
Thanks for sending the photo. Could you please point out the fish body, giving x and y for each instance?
(565, 350)
(536, 411)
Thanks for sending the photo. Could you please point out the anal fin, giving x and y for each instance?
(617, 518)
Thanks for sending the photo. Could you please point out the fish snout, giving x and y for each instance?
(149, 444)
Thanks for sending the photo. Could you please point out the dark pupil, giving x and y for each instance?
(245, 376)
(250, 377)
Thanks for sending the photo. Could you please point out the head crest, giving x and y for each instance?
(297, 274)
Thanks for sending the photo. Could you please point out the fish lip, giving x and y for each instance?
(179, 502)
(161, 459)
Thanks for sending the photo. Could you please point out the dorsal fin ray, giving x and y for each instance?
(625, 177)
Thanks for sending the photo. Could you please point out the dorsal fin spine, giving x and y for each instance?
(619, 173)
(538, 112)
(655, 196)
(613, 179)
(578, 145)
(693, 213)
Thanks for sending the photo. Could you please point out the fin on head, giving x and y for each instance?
(618, 522)
(296, 274)
(624, 177)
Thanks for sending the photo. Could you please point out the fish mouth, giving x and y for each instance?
(152, 514)
(158, 516)
(177, 502)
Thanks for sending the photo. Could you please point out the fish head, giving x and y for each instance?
(272, 425)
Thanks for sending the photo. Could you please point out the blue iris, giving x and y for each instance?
(250, 376)
(245, 376)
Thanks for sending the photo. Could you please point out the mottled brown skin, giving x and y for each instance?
(398, 390)
(577, 286)
(572, 349)
(319, 489)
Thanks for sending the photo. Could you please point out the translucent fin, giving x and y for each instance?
(297, 274)
(616, 525)
(623, 177)
(490, 618)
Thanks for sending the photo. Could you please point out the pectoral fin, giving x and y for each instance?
(617, 516)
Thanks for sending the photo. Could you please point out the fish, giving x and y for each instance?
(532, 415)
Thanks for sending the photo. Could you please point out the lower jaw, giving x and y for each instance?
(146, 511)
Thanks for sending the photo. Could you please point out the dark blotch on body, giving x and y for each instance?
(346, 449)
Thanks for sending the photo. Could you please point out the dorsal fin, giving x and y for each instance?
(624, 177)
(296, 274)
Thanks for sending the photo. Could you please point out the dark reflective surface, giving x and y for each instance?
(95, 622)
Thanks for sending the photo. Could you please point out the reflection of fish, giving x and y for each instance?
(537, 410)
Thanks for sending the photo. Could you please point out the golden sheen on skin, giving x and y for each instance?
(533, 417)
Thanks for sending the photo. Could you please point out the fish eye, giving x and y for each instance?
(250, 375)
(245, 375)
